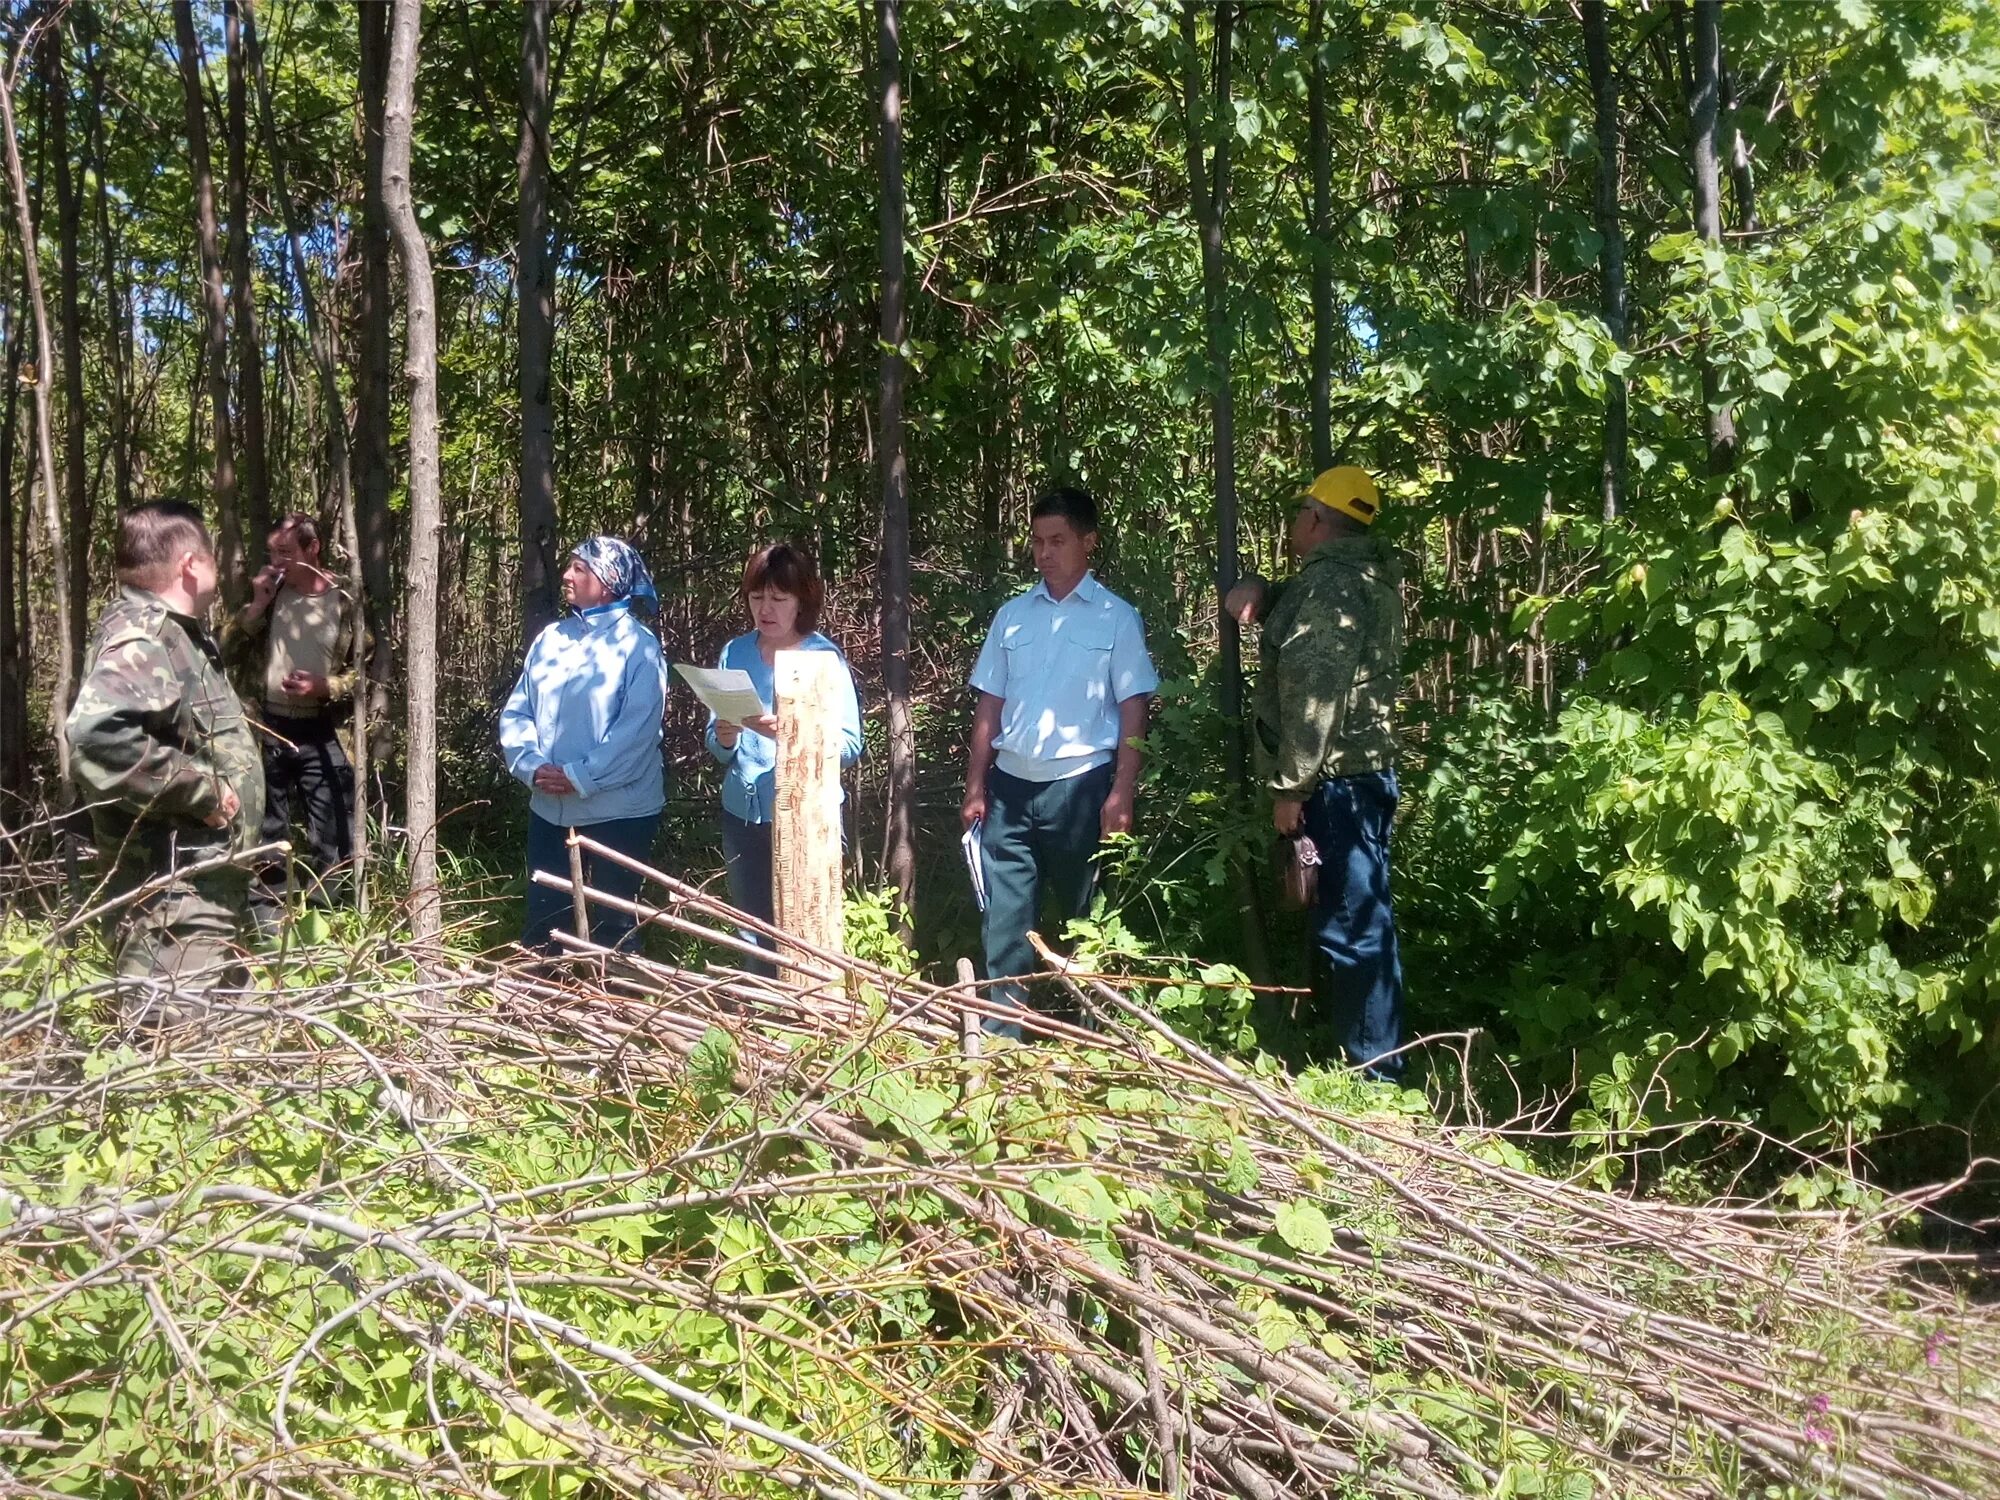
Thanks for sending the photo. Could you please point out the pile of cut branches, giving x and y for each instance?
(374, 1229)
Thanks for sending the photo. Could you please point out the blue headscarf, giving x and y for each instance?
(619, 569)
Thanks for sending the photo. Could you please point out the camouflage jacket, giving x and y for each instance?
(155, 735)
(246, 647)
(1331, 656)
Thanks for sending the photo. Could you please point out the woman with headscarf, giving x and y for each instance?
(782, 595)
(582, 731)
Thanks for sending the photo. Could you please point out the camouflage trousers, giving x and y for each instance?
(179, 944)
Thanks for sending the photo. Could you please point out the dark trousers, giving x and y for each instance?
(1039, 842)
(310, 779)
(746, 860)
(1348, 819)
(548, 909)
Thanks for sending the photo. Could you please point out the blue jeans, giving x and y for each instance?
(1348, 819)
(548, 849)
(746, 860)
(1039, 840)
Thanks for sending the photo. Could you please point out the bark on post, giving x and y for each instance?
(805, 834)
(75, 455)
(536, 293)
(249, 340)
(215, 305)
(420, 365)
(1611, 254)
(320, 337)
(900, 836)
(1704, 122)
(67, 645)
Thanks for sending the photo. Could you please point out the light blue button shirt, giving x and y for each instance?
(749, 789)
(1063, 667)
(590, 700)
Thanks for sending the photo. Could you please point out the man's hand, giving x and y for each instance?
(1287, 816)
(226, 809)
(264, 587)
(300, 683)
(1117, 814)
(727, 733)
(1245, 602)
(551, 780)
(973, 808)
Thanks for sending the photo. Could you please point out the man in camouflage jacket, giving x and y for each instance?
(162, 753)
(1330, 657)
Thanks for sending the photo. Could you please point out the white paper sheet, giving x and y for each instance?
(727, 692)
(974, 865)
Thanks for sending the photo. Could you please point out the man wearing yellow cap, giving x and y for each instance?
(1330, 655)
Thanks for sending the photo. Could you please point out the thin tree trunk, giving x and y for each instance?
(900, 837)
(1320, 233)
(1704, 115)
(1611, 254)
(249, 341)
(372, 384)
(1208, 187)
(117, 317)
(334, 420)
(536, 282)
(1742, 178)
(420, 365)
(215, 304)
(13, 654)
(75, 454)
(67, 644)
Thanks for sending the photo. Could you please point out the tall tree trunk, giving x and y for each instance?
(1208, 187)
(536, 281)
(1611, 255)
(420, 366)
(1742, 179)
(1704, 116)
(117, 315)
(372, 389)
(76, 488)
(900, 837)
(13, 654)
(68, 646)
(1320, 233)
(215, 304)
(320, 336)
(249, 341)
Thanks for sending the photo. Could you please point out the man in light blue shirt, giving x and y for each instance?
(1063, 683)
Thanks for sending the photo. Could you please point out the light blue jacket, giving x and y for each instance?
(749, 790)
(590, 700)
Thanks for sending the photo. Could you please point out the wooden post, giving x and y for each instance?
(579, 903)
(805, 837)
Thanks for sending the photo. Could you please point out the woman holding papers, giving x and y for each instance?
(782, 594)
(582, 730)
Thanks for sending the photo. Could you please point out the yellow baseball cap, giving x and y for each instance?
(1348, 490)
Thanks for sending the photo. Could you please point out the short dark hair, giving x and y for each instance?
(786, 569)
(301, 526)
(152, 537)
(1078, 507)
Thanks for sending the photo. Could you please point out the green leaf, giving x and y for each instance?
(1304, 1228)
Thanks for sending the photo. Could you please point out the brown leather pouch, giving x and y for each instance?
(1298, 873)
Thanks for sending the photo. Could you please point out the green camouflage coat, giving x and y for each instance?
(246, 647)
(155, 735)
(1331, 655)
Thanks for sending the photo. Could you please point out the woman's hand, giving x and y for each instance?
(764, 724)
(727, 734)
(550, 779)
